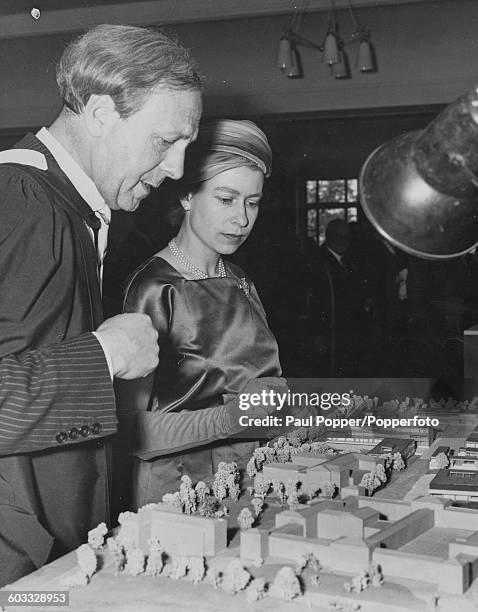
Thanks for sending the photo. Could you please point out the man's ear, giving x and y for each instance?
(186, 201)
(99, 114)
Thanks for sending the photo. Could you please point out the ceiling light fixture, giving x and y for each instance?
(332, 48)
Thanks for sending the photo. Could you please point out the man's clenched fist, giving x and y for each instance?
(132, 344)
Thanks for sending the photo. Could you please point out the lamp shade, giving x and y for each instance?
(294, 70)
(419, 189)
(331, 49)
(284, 56)
(340, 70)
(364, 57)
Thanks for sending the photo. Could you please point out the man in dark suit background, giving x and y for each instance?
(334, 304)
(132, 104)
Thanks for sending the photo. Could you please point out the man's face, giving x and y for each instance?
(338, 238)
(139, 152)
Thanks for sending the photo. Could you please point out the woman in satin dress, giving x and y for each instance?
(213, 335)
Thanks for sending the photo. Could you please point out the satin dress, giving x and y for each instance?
(213, 338)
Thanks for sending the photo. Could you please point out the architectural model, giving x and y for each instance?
(315, 526)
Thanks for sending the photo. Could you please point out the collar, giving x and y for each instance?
(77, 176)
(336, 255)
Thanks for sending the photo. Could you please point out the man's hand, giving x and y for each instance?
(132, 344)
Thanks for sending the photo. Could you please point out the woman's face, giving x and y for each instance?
(223, 212)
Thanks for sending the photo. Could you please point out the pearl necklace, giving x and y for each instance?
(190, 267)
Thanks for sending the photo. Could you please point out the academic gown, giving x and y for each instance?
(57, 402)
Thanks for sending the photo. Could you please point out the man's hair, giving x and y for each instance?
(126, 63)
(334, 226)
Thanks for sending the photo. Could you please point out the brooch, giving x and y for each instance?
(244, 286)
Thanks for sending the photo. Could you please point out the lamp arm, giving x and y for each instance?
(301, 40)
(298, 39)
(358, 35)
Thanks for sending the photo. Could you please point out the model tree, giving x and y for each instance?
(279, 489)
(387, 458)
(201, 491)
(87, 565)
(135, 561)
(328, 489)
(258, 505)
(232, 480)
(262, 485)
(376, 576)
(307, 560)
(155, 561)
(187, 495)
(259, 457)
(360, 582)
(286, 584)
(118, 552)
(96, 536)
(177, 568)
(370, 482)
(298, 436)
(398, 463)
(172, 499)
(270, 454)
(245, 519)
(292, 493)
(219, 486)
(283, 448)
(251, 467)
(256, 590)
(380, 473)
(442, 461)
(197, 569)
(236, 577)
(226, 480)
(209, 507)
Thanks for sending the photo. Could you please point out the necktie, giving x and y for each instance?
(94, 223)
(345, 264)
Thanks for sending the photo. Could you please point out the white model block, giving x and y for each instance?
(349, 555)
(315, 478)
(327, 472)
(392, 510)
(308, 459)
(306, 518)
(283, 472)
(335, 524)
(349, 490)
(404, 530)
(367, 463)
(254, 544)
(293, 547)
(182, 534)
(450, 576)
(458, 518)
(468, 546)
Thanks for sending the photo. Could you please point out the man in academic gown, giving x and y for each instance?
(131, 106)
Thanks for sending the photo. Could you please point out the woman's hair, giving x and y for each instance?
(221, 145)
(126, 63)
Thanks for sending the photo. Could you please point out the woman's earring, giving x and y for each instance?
(185, 203)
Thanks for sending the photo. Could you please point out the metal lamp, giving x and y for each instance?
(420, 190)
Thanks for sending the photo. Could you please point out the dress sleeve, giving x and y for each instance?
(157, 432)
(162, 433)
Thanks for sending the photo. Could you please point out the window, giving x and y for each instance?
(327, 200)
